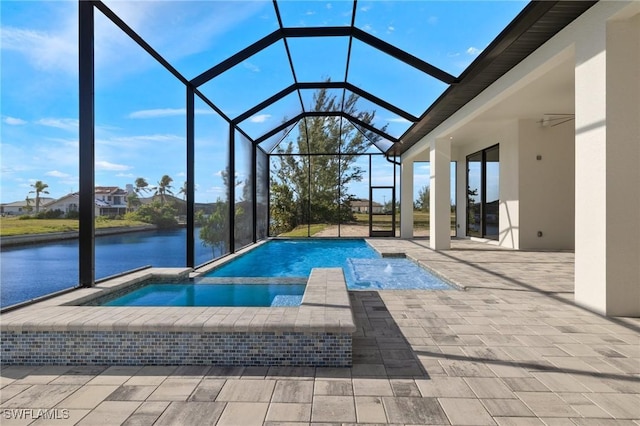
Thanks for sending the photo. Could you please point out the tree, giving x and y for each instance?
(183, 190)
(162, 215)
(27, 206)
(164, 187)
(141, 186)
(39, 188)
(214, 231)
(325, 198)
(422, 203)
(132, 201)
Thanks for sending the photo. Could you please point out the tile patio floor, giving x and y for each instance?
(510, 350)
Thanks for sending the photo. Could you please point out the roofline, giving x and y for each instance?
(538, 22)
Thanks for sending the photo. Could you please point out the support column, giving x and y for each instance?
(406, 199)
(607, 98)
(461, 197)
(86, 148)
(439, 196)
(190, 102)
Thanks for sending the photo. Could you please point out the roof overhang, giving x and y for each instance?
(538, 22)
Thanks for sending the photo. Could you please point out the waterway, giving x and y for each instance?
(34, 270)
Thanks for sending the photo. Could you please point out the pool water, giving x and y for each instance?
(294, 258)
(391, 274)
(253, 295)
(364, 268)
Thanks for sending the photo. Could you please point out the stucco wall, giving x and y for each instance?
(507, 138)
(547, 185)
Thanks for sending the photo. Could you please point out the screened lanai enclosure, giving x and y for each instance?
(293, 119)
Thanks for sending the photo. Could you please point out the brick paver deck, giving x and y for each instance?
(512, 349)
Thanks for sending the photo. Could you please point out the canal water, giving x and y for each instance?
(34, 270)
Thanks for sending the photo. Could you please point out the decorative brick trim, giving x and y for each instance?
(175, 348)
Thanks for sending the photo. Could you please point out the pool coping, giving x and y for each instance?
(325, 308)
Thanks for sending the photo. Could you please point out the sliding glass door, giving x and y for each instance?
(483, 193)
(474, 194)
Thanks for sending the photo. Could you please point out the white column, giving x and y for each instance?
(461, 196)
(607, 99)
(406, 199)
(439, 195)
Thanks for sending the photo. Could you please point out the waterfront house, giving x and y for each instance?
(109, 201)
(18, 208)
(361, 205)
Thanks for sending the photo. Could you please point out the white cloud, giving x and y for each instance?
(432, 20)
(156, 113)
(57, 174)
(166, 112)
(12, 121)
(251, 67)
(398, 120)
(391, 28)
(210, 20)
(70, 124)
(45, 50)
(365, 8)
(329, 6)
(105, 165)
(131, 141)
(126, 175)
(473, 51)
(260, 118)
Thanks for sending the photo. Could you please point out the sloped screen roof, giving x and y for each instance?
(259, 63)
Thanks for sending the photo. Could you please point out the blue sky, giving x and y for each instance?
(140, 118)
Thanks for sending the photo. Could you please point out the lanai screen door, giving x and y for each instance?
(382, 211)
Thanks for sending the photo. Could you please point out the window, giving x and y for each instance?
(483, 193)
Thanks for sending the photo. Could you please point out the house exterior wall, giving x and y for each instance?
(67, 204)
(14, 210)
(507, 138)
(546, 185)
(601, 150)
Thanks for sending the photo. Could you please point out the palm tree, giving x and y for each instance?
(39, 188)
(164, 187)
(28, 207)
(183, 190)
(141, 185)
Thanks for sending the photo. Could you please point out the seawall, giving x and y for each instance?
(19, 240)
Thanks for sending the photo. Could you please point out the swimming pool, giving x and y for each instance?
(194, 294)
(363, 267)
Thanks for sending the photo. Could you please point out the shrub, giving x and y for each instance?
(156, 213)
(50, 214)
(72, 214)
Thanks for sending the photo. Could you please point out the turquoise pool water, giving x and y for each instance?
(212, 295)
(363, 267)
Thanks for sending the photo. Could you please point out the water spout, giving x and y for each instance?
(388, 269)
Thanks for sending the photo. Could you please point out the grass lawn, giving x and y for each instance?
(13, 226)
(420, 219)
(301, 231)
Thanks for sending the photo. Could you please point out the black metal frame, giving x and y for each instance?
(86, 148)
(538, 22)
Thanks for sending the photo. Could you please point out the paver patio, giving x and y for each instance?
(512, 349)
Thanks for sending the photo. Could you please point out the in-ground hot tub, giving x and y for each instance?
(63, 330)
